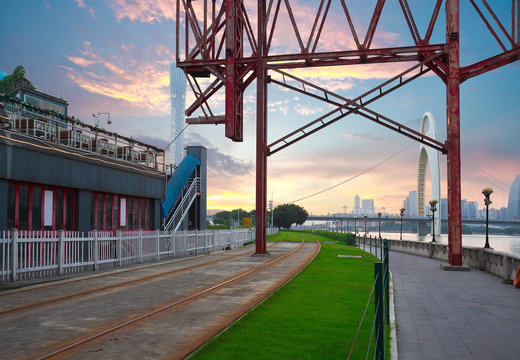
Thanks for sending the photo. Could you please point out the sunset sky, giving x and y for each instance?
(113, 55)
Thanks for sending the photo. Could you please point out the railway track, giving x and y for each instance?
(134, 279)
(199, 286)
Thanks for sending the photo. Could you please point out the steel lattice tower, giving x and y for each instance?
(219, 40)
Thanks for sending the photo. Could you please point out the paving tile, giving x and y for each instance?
(449, 315)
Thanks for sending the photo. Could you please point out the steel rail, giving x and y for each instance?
(186, 299)
(290, 277)
(114, 285)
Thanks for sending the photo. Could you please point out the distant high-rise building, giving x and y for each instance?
(357, 208)
(178, 104)
(503, 213)
(410, 204)
(472, 209)
(513, 202)
(413, 205)
(444, 208)
(463, 209)
(368, 206)
(427, 210)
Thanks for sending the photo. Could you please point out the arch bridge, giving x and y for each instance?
(421, 221)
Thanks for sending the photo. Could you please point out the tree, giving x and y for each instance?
(287, 214)
(10, 82)
(224, 217)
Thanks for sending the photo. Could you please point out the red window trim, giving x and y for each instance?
(29, 223)
(43, 187)
(137, 221)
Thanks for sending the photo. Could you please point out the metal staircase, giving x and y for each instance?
(182, 205)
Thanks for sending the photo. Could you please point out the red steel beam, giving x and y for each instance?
(373, 24)
(234, 83)
(453, 134)
(489, 64)
(353, 105)
(433, 20)
(351, 24)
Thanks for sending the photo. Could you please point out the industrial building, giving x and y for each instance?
(58, 173)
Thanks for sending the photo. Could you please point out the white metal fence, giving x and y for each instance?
(38, 254)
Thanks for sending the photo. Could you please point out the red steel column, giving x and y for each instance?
(453, 134)
(261, 135)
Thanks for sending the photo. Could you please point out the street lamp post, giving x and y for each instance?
(366, 225)
(379, 218)
(96, 124)
(433, 208)
(487, 192)
(401, 212)
(355, 225)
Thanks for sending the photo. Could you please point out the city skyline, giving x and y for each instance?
(114, 56)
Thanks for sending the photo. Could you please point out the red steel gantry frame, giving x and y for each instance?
(220, 41)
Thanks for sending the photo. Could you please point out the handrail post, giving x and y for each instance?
(185, 241)
(14, 253)
(196, 242)
(96, 252)
(60, 252)
(140, 246)
(173, 243)
(120, 247)
(387, 282)
(379, 303)
(158, 243)
(370, 239)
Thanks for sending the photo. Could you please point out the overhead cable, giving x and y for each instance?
(353, 177)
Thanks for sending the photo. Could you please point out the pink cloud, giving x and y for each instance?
(80, 61)
(146, 11)
(81, 4)
(116, 78)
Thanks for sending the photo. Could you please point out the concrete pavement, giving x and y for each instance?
(121, 312)
(453, 315)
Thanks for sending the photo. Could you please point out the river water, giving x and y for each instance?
(505, 243)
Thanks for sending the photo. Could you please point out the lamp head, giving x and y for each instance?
(433, 205)
(401, 211)
(487, 192)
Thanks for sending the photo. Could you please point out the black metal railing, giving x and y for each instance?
(381, 294)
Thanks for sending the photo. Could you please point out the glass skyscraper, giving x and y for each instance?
(178, 105)
(513, 203)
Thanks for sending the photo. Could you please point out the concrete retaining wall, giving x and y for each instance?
(494, 262)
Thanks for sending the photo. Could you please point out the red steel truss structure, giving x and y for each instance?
(219, 40)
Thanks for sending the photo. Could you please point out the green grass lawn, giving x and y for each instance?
(314, 316)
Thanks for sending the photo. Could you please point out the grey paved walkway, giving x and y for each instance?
(453, 315)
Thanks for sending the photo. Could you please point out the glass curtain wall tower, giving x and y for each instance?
(178, 104)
